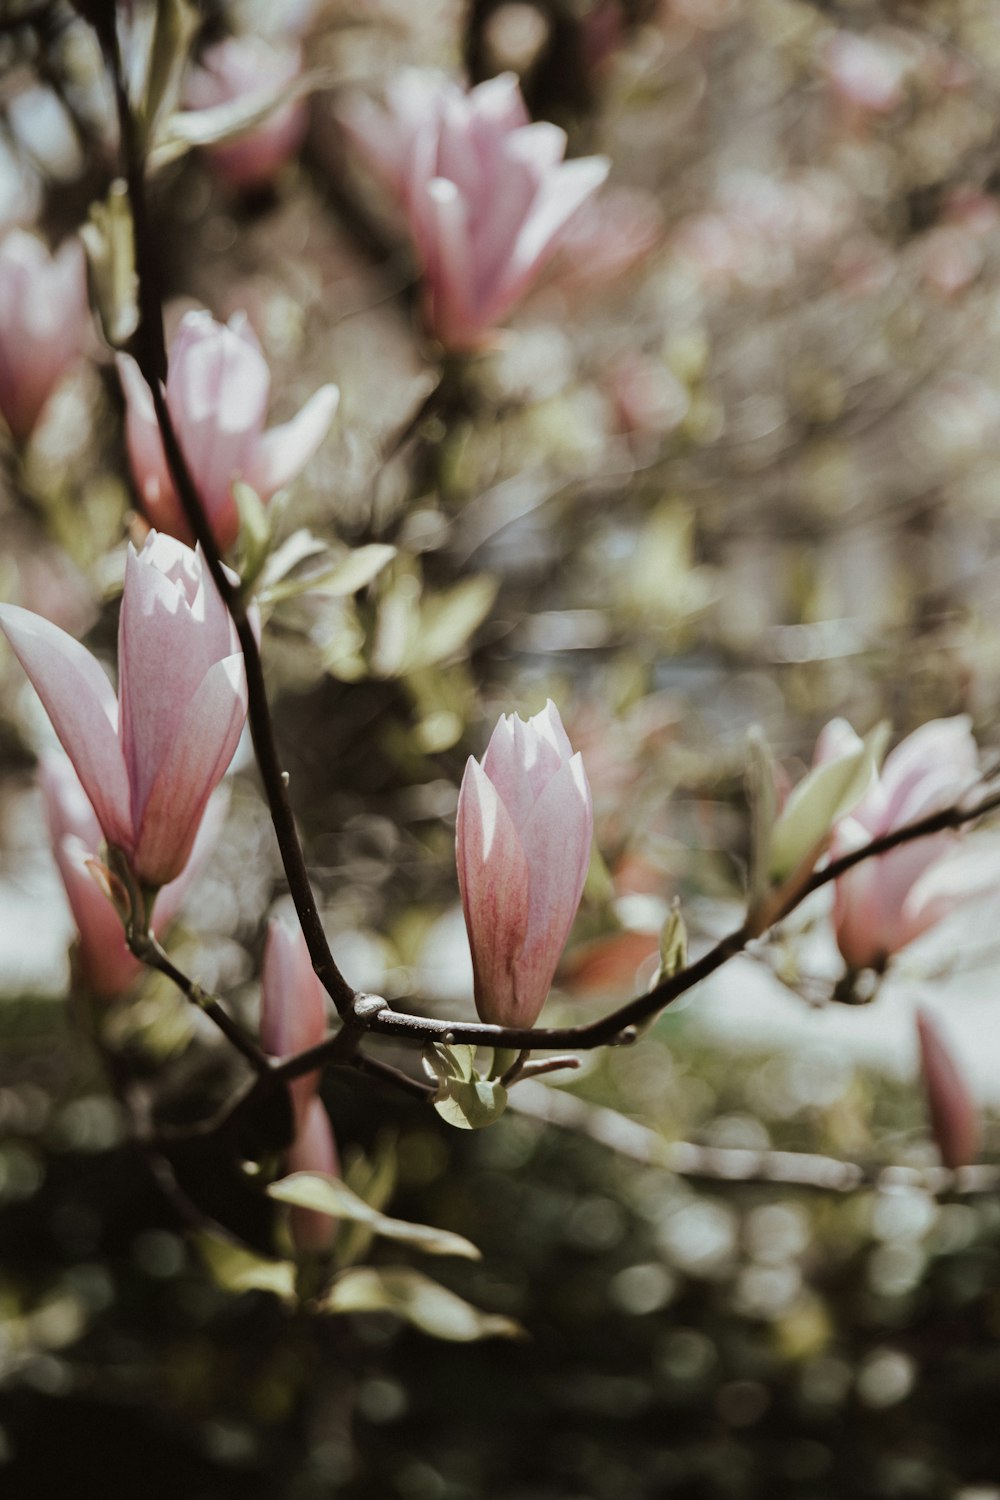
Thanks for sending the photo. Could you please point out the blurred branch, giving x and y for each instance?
(802, 1169)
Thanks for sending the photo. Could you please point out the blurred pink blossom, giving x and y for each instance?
(149, 759)
(884, 903)
(865, 73)
(218, 388)
(313, 1150)
(43, 322)
(523, 837)
(293, 1009)
(251, 69)
(486, 193)
(607, 237)
(952, 1109)
(104, 962)
(293, 1003)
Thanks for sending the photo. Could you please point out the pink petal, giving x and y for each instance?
(953, 1112)
(452, 315)
(293, 1004)
(202, 748)
(284, 451)
(556, 841)
(493, 878)
(313, 1150)
(81, 703)
(164, 652)
(562, 191)
(105, 964)
(171, 897)
(521, 761)
(145, 452)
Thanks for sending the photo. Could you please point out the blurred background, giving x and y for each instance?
(736, 461)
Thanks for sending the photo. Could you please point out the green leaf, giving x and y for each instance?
(221, 123)
(826, 794)
(673, 946)
(346, 575)
(109, 241)
(329, 1195)
(239, 1270)
(255, 532)
(418, 1300)
(447, 620)
(450, 1063)
(173, 31)
(471, 1105)
(763, 811)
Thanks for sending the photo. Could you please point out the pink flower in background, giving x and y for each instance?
(866, 73)
(607, 237)
(104, 962)
(150, 759)
(293, 1003)
(253, 70)
(293, 1009)
(43, 322)
(218, 387)
(313, 1150)
(884, 903)
(486, 193)
(523, 837)
(953, 1112)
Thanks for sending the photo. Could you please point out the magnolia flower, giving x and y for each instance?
(149, 759)
(292, 1003)
(486, 193)
(953, 1112)
(251, 70)
(217, 392)
(103, 960)
(43, 322)
(293, 1017)
(523, 847)
(884, 903)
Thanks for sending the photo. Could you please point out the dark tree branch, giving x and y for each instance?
(149, 350)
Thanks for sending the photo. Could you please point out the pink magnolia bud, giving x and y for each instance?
(292, 1004)
(293, 1007)
(486, 193)
(954, 1117)
(104, 962)
(217, 390)
(523, 836)
(251, 69)
(313, 1150)
(150, 758)
(884, 903)
(43, 322)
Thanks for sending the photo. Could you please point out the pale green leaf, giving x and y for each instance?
(447, 620)
(255, 531)
(346, 575)
(471, 1105)
(173, 31)
(239, 1270)
(109, 240)
(418, 1300)
(673, 946)
(450, 1063)
(763, 812)
(826, 794)
(222, 123)
(329, 1195)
